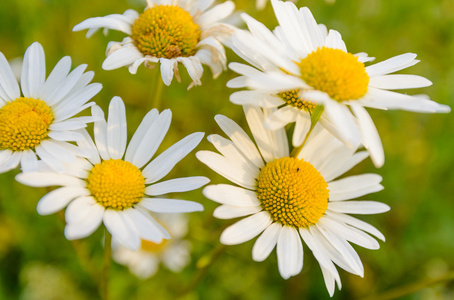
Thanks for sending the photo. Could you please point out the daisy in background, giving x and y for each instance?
(300, 65)
(168, 32)
(118, 187)
(285, 199)
(39, 122)
(174, 253)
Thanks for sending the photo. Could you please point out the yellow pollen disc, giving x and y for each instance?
(116, 184)
(293, 192)
(335, 72)
(293, 98)
(152, 247)
(24, 123)
(166, 31)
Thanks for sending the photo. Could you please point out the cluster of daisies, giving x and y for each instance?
(286, 194)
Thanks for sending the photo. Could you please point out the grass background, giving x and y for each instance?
(37, 262)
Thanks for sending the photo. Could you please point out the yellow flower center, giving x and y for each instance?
(293, 192)
(24, 123)
(166, 31)
(293, 98)
(151, 247)
(335, 72)
(116, 184)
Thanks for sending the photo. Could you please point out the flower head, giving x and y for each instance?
(115, 185)
(174, 254)
(168, 32)
(39, 122)
(285, 199)
(300, 65)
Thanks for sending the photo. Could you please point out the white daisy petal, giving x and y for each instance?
(240, 138)
(354, 186)
(231, 195)
(58, 75)
(334, 40)
(55, 150)
(329, 281)
(162, 205)
(5, 156)
(369, 134)
(345, 249)
(346, 165)
(161, 229)
(100, 132)
(150, 139)
(161, 165)
(167, 70)
(85, 226)
(233, 155)
(350, 234)
(356, 223)
(29, 161)
(176, 185)
(88, 146)
(392, 64)
(231, 212)
(113, 21)
(146, 228)
(358, 207)
(44, 179)
(289, 252)
(59, 199)
(215, 14)
(255, 98)
(218, 162)
(140, 133)
(266, 242)
(318, 252)
(281, 117)
(399, 81)
(124, 56)
(79, 208)
(302, 126)
(246, 229)
(33, 71)
(9, 89)
(116, 128)
(116, 225)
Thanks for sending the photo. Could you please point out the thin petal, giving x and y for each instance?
(266, 242)
(163, 205)
(176, 185)
(246, 229)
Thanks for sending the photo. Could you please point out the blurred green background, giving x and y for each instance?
(37, 262)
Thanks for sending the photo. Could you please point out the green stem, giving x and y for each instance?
(399, 292)
(156, 90)
(315, 117)
(106, 265)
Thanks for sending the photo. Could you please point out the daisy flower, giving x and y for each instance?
(117, 187)
(37, 117)
(174, 253)
(285, 199)
(168, 32)
(300, 65)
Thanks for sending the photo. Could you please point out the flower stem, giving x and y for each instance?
(401, 291)
(315, 117)
(106, 265)
(156, 90)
